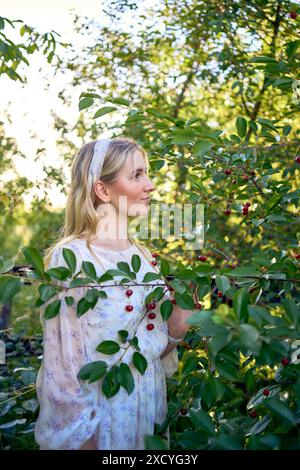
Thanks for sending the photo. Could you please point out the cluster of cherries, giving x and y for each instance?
(150, 306)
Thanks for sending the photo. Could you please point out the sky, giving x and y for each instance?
(29, 106)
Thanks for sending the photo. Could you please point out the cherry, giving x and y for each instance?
(202, 258)
(151, 316)
(154, 255)
(171, 289)
(266, 392)
(129, 308)
(183, 411)
(233, 181)
(186, 346)
(253, 414)
(154, 263)
(247, 204)
(293, 15)
(150, 326)
(252, 173)
(245, 210)
(227, 211)
(198, 306)
(151, 306)
(174, 301)
(245, 177)
(297, 159)
(129, 292)
(297, 256)
(219, 294)
(227, 171)
(285, 361)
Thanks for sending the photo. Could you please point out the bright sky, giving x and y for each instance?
(30, 106)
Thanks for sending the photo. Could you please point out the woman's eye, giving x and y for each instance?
(137, 174)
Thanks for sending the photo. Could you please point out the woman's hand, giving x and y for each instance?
(89, 445)
(176, 323)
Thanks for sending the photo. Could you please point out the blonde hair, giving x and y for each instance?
(81, 217)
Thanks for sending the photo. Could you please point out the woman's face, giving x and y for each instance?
(128, 194)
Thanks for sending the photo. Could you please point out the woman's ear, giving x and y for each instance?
(101, 191)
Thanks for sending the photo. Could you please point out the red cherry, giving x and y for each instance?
(198, 306)
(202, 258)
(293, 15)
(245, 177)
(233, 181)
(129, 308)
(227, 211)
(266, 392)
(173, 301)
(129, 292)
(248, 204)
(150, 326)
(252, 173)
(154, 263)
(227, 171)
(186, 346)
(297, 256)
(171, 289)
(297, 159)
(151, 306)
(285, 361)
(219, 294)
(154, 255)
(253, 414)
(245, 210)
(151, 316)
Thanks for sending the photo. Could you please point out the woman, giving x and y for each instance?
(75, 414)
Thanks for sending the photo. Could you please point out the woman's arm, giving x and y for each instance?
(177, 327)
(90, 444)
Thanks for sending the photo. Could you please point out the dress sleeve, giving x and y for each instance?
(68, 413)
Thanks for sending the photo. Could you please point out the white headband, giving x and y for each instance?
(96, 164)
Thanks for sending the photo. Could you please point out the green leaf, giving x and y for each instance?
(260, 425)
(85, 103)
(93, 371)
(281, 409)
(223, 283)
(292, 310)
(79, 281)
(201, 148)
(124, 267)
(202, 420)
(166, 309)
(184, 301)
(52, 309)
(226, 442)
(240, 304)
(69, 300)
(125, 378)
(59, 273)
(46, 291)
(183, 136)
(110, 384)
(123, 335)
(82, 307)
(249, 338)
(70, 259)
(140, 362)
(89, 269)
(103, 111)
(150, 277)
(120, 101)
(155, 443)
(165, 267)
(263, 60)
(241, 125)
(136, 263)
(291, 48)
(9, 287)
(108, 347)
(34, 258)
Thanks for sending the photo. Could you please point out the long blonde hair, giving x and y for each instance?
(81, 217)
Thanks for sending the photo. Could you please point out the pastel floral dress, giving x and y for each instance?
(72, 410)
